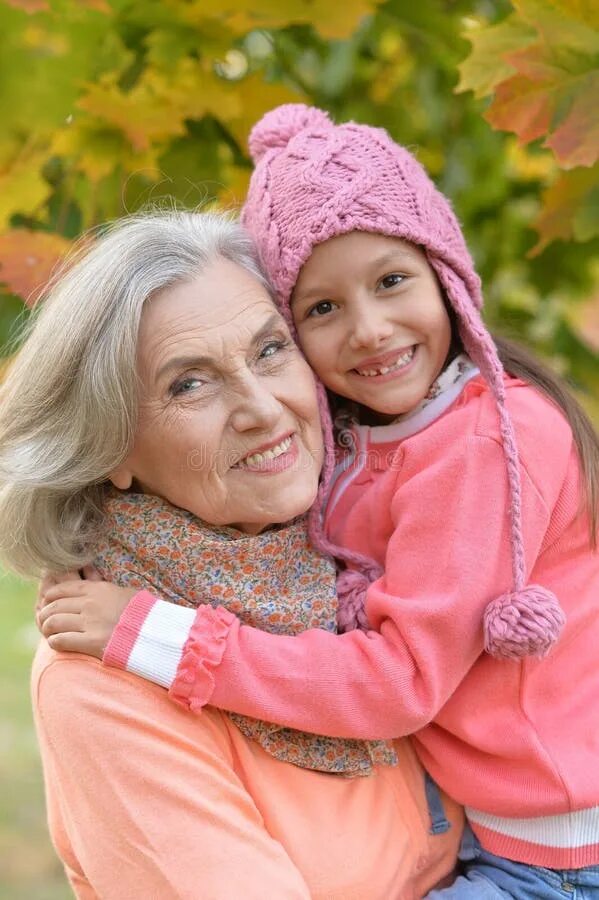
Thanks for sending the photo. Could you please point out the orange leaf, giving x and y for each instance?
(27, 259)
(522, 106)
(99, 5)
(30, 6)
(562, 203)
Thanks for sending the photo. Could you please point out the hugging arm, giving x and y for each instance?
(426, 617)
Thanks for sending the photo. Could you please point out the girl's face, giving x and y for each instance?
(371, 320)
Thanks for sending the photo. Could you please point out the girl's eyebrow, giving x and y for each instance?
(394, 257)
(192, 360)
(398, 256)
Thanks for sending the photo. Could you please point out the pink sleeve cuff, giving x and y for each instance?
(127, 631)
(202, 653)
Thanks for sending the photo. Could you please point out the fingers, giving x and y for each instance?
(73, 642)
(50, 580)
(64, 589)
(61, 623)
(71, 605)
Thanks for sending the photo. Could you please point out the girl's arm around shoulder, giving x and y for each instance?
(448, 556)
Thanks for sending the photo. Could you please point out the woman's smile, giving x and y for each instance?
(271, 458)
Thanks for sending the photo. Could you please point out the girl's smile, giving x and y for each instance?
(394, 363)
(372, 321)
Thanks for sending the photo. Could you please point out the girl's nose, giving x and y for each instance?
(256, 407)
(369, 329)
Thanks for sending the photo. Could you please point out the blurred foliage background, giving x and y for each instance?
(111, 105)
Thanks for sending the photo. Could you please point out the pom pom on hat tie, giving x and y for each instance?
(523, 623)
(277, 127)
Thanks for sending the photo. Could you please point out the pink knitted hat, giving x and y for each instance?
(315, 180)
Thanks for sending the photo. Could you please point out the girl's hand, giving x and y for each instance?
(80, 615)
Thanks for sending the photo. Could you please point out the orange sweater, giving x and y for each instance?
(146, 801)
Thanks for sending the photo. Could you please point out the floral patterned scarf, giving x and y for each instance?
(274, 581)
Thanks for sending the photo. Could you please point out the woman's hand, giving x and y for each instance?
(80, 615)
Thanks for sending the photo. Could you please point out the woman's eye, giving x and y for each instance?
(392, 280)
(272, 348)
(322, 308)
(185, 385)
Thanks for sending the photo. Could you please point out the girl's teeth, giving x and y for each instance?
(403, 360)
(257, 458)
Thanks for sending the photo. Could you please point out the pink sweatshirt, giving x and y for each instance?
(517, 742)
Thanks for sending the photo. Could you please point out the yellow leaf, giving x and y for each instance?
(256, 96)
(141, 115)
(562, 22)
(194, 90)
(586, 11)
(97, 150)
(487, 64)
(331, 20)
(22, 186)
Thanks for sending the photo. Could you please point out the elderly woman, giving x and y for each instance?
(160, 421)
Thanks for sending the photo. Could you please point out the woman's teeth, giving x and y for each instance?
(401, 361)
(256, 459)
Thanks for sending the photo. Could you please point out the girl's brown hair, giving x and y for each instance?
(521, 363)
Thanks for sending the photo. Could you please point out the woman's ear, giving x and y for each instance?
(121, 478)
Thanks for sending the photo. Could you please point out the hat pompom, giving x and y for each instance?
(351, 590)
(277, 127)
(523, 623)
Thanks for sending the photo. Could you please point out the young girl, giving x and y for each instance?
(464, 500)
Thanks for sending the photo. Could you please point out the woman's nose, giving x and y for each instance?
(256, 407)
(369, 329)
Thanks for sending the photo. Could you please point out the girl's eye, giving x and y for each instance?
(392, 280)
(322, 308)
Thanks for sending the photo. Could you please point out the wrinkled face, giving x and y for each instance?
(228, 426)
(371, 320)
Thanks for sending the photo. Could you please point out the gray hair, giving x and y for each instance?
(68, 406)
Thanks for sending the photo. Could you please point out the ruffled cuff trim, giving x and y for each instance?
(124, 636)
(202, 654)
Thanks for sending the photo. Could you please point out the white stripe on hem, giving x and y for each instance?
(566, 830)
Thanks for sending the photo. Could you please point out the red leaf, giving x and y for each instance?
(576, 141)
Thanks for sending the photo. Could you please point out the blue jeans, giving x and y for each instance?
(490, 877)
